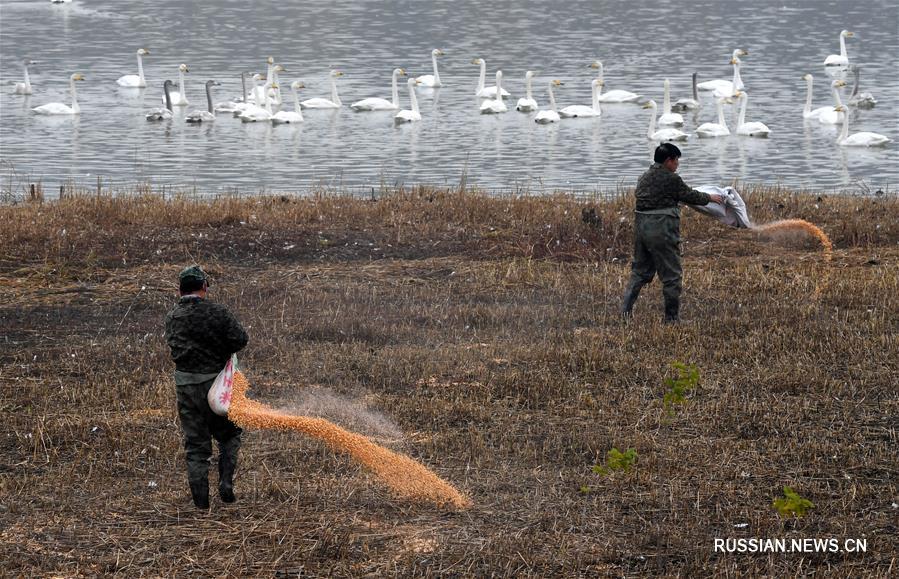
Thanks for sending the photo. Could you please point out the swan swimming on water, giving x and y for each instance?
(527, 104)
(405, 115)
(725, 85)
(135, 80)
(662, 134)
(25, 87)
(834, 115)
(667, 117)
(236, 103)
(294, 116)
(255, 113)
(688, 104)
(482, 91)
(862, 139)
(323, 103)
(378, 104)
(165, 113)
(751, 129)
(613, 96)
(582, 111)
(719, 129)
(841, 59)
(179, 98)
(864, 100)
(807, 111)
(735, 85)
(496, 105)
(431, 80)
(550, 115)
(199, 116)
(59, 108)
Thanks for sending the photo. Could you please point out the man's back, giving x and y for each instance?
(202, 335)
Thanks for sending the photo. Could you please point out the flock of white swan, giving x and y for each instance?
(258, 104)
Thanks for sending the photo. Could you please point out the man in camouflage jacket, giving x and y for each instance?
(202, 336)
(657, 230)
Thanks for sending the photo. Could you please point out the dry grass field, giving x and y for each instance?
(478, 335)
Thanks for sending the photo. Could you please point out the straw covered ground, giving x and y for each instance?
(477, 335)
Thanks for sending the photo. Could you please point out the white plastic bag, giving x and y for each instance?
(219, 396)
(732, 212)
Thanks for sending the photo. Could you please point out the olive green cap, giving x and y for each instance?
(192, 273)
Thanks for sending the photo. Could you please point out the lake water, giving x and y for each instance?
(640, 44)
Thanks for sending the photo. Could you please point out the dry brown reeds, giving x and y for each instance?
(486, 329)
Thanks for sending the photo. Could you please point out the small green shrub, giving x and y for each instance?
(687, 379)
(792, 504)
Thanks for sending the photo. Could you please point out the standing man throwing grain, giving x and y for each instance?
(202, 336)
(657, 230)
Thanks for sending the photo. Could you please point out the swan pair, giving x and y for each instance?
(178, 97)
(135, 80)
(60, 108)
(750, 129)
(613, 96)
(490, 91)
(727, 88)
(827, 115)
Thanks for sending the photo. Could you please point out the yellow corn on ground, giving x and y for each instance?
(405, 476)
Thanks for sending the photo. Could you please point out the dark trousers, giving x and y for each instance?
(657, 250)
(200, 425)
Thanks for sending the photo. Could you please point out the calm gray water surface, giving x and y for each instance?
(640, 43)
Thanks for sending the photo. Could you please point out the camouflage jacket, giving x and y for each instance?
(202, 335)
(659, 188)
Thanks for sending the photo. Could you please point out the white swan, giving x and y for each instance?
(323, 103)
(25, 87)
(864, 100)
(579, 111)
(179, 98)
(135, 80)
(272, 73)
(550, 115)
(719, 129)
(807, 111)
(165, 113)
(841, 59)
(482, 91)
(724, 84)
(208, 115)
(736, 84)
(613, 96)
(405, 115)
(255, 113)
(495, 106)
(862, 139)
(527, 104)
(431, 80)
(662, 134)
(59, 108)
(236, 103)
(688, 104)
(667, 117)
(377, 104)
(753, 129)
(834, 115)
(294, 116)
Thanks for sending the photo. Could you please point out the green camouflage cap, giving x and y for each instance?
(192, 273)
